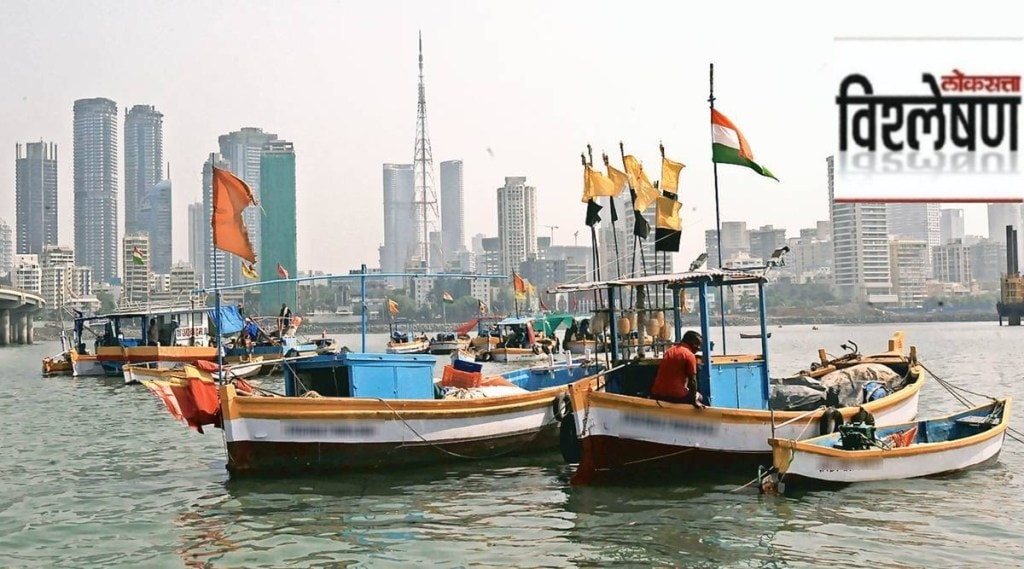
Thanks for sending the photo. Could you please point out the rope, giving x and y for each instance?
(659, 457)
(1012, 433)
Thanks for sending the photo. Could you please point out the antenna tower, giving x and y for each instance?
(426, 197)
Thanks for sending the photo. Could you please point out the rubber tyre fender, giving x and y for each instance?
(486, 357)
(568, 442)
(561, 406)
(292, 353)
(536, 349)
(830, 421)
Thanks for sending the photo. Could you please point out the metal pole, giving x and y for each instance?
(362, 295)
(220, 336)
(718, 215)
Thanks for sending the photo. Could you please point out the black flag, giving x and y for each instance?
(592, 213)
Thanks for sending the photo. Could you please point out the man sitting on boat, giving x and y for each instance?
(676, 381)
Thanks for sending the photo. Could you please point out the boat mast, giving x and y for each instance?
(718, 215)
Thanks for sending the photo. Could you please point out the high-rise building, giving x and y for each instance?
(617, 251)
(517, 225)
(952, 262)
(6, 249)
(57, 265)
(197, 256)
(999, 216)
(914, 221)
(860, 237)
(909, 259)
(35, 189)
(453, 238)
(278, 224)
(27, 274)
(764, 241)
(217, 273)
(399, 218)
(951, 225)
(137, 271)
(143, 163)
(242, 149)
(155, 214)
(95, 173)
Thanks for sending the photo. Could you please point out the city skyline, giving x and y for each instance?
(519, 109)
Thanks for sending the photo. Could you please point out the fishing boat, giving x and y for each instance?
(518, 343)
(167, 335)
(405, 341)
(448, 342)
(617, 430)
(58, 364)
(580, 338)
(272, 341)
(747, 336)
(861, 452)
(136, 373)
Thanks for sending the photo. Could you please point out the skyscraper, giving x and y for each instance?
(242, 149)
(155, 215)
(453, 238)
(951, 225)
(860, 236)
(517, 225)
(6, 249)
(95, 173)
(399, 218)
(278, 224)
(143, 163)
(197, 255)
(217, 273)
(36, 196)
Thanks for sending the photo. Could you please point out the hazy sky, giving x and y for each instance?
(533, 82)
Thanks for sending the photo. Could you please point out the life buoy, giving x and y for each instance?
(561, 406)
(568, 441)
(830, 421)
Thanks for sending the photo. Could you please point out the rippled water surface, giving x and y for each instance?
(95, 474)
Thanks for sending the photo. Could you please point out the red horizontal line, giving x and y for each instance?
(929, 200)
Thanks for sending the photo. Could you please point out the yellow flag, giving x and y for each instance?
(596, 184)
(668, 214)
(670, 174)
(646, 194)
(249, 272)
(619, 178)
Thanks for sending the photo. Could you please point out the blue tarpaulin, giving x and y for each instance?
(231, 321)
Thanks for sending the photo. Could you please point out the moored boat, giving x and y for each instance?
(136, 373)
(623, 432)
(747, 336)
(862, 453)
(403, 340)
(448, 342)
(518, 343)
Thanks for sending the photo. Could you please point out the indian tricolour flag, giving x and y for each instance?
(447, 297)
(729, 147)
(137, 257)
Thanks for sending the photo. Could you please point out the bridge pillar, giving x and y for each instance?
(5, 326)
(30, 334)
(21, 326)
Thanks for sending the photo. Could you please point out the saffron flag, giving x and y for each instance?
(518, 283)
(670, 175)
(644, 192)
(138, 257)
(281, 271)
(668, 227)
(230, 197)
(728, 146)
(446, 297)
(596, 184)
(249, 272)
(392, 306)
(619, 178)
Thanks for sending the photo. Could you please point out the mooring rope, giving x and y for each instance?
(1012, 433)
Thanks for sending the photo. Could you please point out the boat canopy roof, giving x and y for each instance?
(715, 277)
(145, 312)
(548, 324)
(513, 320)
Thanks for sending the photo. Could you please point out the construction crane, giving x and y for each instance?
(552, 228)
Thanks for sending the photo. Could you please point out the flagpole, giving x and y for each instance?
(595, 252)
(632, 205)
(718, 215)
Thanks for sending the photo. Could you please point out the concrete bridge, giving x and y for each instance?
(16, 310)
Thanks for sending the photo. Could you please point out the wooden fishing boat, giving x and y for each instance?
(747, 336)
(136, 373)
(85, 365)
(861, 453)
(59, 364)
(405, 341)
(448, 342)
(518, 344)
(357, 411)
(617, 431)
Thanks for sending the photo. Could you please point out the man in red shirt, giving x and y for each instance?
(676, 381)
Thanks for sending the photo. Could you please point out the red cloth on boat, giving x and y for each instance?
(902, 438)
(206, 365)
(678, 364)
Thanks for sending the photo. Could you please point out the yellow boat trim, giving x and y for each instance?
(236, 406)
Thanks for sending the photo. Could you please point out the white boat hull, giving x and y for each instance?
(418, 347)
(516, 355)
